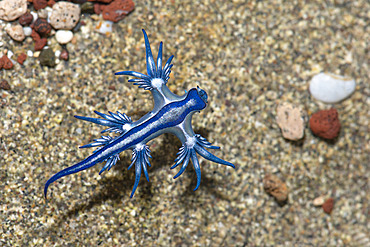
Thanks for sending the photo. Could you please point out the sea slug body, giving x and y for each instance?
(171, 114)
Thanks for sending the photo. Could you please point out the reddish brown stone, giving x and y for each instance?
(101, 1)
(64, 55)
(51, 3)
(98, 8)
(328, 205)
(42, 26)
(26, 19)
(35, 36)
(7, 64)
(325, 124)
(40, 44)
(1, 63)
(4, 85)
(117, 10)
(40, 4)
(21, 58)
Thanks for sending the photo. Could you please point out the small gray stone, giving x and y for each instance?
(330, 88)
(47, 58)
(12, 9)
(291, 120)
(65, 15)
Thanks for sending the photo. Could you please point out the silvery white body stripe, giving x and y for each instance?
(129, 139)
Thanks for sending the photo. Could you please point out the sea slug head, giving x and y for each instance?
(198, 97)
(202, 94)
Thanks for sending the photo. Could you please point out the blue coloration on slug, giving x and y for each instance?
(171, 114)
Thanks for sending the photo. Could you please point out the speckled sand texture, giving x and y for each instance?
(248, 57)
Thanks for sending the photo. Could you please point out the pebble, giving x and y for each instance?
(65, 15)
(26, 19)
(291, 120)
(10, 10)
(5, 62)
(34, 15)
(328, 205)
(29, 53)
(117, 10)
(275, 187)
(104, 27)
(27, 31)
(16, 32)
(21, 58)
(104, 1)
(42, 13)
(47, 58)
(325, 124)
(63, 36)
(39, 42)
(98, 8)
(4, 84)
(87, 8)
(318, 201)
(10, 54)
(39, 4)
(42, 27)
(64, 55)
(330, 88)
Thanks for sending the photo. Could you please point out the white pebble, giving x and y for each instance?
(49, 10)
(331, 88)
(57, 53)
(43, 13)
(29, 53)
(104, 27)
(65, 15)
(27, 31)
(63, 36)
(35, 16)
(10, 54)
(16, 32)
(10, 10)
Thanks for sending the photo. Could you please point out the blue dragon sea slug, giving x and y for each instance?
(171, 114)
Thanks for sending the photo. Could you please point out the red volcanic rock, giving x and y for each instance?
(117, 10)
(101, 1)
(21, 58)
(328, 205)
(42, 26)
(98, 8)
(26, 19)
(64, 55)
(325, 124)
(35, 36)
(40, 4)
(51, 3)
(7, 64)
(40, 44)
